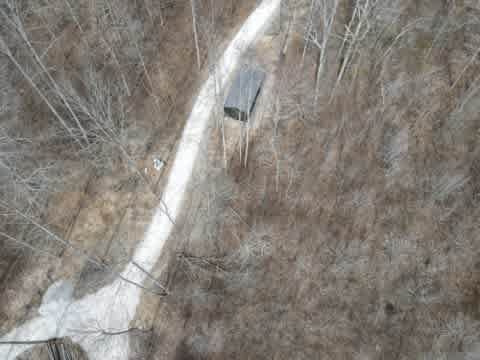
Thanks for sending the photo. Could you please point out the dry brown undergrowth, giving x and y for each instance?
(353, 230)
(358, 213)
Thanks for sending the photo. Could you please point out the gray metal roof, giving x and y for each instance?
(243, 93)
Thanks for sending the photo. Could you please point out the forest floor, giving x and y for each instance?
(343, 227)
(346, 229)
(107, 214)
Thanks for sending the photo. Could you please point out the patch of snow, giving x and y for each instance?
(56, 298)
(113, 307)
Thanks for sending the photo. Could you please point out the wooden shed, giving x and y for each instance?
(243, 93)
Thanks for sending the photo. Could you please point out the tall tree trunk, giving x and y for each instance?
(195, 34)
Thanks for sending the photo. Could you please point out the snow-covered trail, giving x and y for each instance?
(113, 307)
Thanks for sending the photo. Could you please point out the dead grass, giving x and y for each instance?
(99, 203)
(371, 229)
(351, 233)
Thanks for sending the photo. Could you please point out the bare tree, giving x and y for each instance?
(195, 34)
(89, 258)
(16, 23)
(328, 11)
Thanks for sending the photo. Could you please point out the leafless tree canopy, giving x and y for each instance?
(345, 227)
